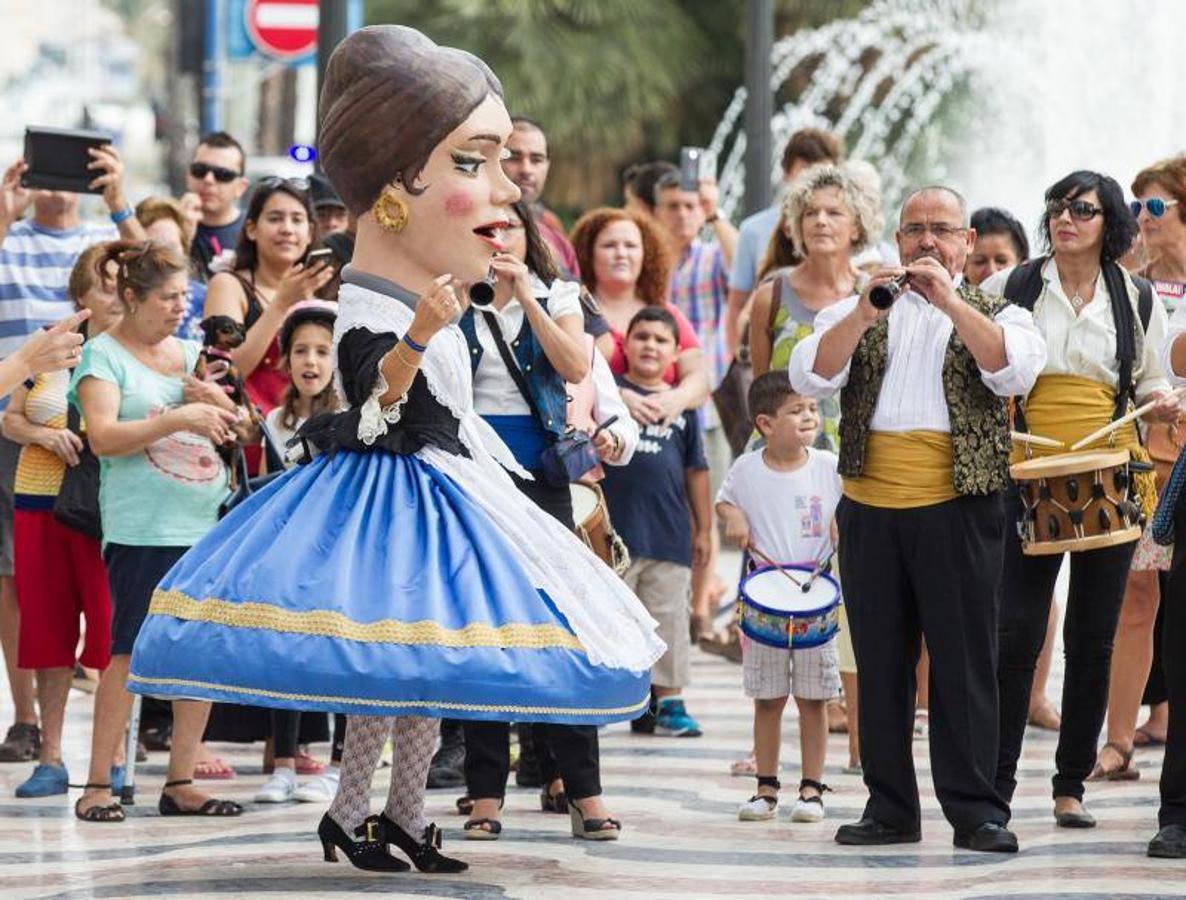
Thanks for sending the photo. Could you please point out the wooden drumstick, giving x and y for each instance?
(1123, 420)
(1023, 437)
(820, 565)
(768, 561)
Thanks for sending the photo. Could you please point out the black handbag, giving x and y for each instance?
(77, 503)
(567, 458)
(247, 485)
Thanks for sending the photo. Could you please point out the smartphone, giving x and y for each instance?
(695, 164)
(320, 255)
(58, 159)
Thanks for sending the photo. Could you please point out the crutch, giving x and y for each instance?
(127, 795)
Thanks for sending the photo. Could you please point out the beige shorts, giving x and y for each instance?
(665, 589)
(769, 673)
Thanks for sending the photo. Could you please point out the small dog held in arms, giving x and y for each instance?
(222, 335)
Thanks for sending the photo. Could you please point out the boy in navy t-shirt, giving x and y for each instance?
(661, 505)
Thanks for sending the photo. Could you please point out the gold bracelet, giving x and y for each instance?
(412, 364)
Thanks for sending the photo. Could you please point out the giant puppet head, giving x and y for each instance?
(412, 138)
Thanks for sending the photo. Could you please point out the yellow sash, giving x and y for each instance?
(904, 469)
(1068, 408)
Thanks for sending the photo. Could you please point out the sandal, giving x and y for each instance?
(747, 767)
(158, 738)
(1143, 737)
(465, 805)
(214, 770)
(553, 803)
(308, 765)
(593, 829)
(482, 829)
(113, 812)
(170, 807)
(1125, 772)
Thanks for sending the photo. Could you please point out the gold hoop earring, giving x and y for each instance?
(390, 211)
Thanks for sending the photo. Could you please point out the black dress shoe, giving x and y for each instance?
(989, 837)
(424, 853)
(1074, 819)
(370, 854)
(1169, 843)
(870, 832)
(447, 769)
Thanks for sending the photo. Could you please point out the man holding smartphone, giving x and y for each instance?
(217, 175)
(36, 256)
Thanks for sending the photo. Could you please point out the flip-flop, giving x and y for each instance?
(482, 829)
(214, 770)
(1126, 771)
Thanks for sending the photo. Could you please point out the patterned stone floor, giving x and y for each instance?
(682, 836)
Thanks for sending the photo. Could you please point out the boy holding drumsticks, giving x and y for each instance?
(778, 502)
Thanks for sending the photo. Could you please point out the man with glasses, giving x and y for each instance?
(216, 175)
(924, 452)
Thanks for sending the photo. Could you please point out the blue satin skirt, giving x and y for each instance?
(370, 583)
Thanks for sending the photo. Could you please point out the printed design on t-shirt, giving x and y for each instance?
(652, 437)
(811, 516)
(183, 456)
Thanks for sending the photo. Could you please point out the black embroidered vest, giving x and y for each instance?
(979, 418)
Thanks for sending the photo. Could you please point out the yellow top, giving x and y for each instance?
(904, 470)
(1068, 408)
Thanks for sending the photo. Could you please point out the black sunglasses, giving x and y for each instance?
(274, 181)
(1081, 210)
(200, 170)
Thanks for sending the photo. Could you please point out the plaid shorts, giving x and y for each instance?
(772, 672)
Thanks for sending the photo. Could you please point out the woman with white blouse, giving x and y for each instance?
(1087, 228)
(536, 324)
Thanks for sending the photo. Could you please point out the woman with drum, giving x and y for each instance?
(1102, 333)
(524, 346)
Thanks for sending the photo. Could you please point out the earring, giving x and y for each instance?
(390, 211)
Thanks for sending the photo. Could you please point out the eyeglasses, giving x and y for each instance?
(916, 230)
(275, 181)
(1155, 205)
(1081, 210)
(200, 170)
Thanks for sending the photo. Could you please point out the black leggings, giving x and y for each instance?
(1096, 594)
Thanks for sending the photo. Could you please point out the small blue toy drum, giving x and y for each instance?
(778, 613)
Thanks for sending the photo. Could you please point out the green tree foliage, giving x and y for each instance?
(613, 81)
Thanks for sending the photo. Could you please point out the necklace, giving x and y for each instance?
(1077, 299)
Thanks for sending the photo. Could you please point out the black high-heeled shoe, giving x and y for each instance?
(425, 854)
(370, 854)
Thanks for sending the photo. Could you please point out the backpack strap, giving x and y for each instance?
(1144, 300)
(1126, 344)
(775, 306)
(1024, 284)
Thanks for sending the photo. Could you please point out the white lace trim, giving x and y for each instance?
(446, 369)
(611, 623)
(374, 417)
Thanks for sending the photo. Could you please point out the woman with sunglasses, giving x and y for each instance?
(269, 277)
(1102, 356)
(1137, 674)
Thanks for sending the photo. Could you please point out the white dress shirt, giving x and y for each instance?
(912, 396)
(495, 393)
(1085, 344)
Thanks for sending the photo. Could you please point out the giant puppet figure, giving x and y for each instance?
(400, 576)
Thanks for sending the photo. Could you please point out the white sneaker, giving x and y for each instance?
(811, 810)
(280, 788)
(758, 809)
(320, 789)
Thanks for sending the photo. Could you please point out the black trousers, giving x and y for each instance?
(570, 752)
(928, 572)
(565, 751)
(1093, 608)
(1173, 767)
(1155, 686)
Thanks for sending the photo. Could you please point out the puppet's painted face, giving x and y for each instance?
(459, 220)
